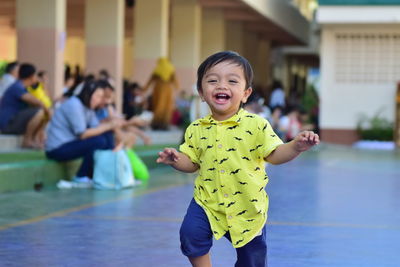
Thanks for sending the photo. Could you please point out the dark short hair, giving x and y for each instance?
(11, 66)
(105, 84)
(222, 57)
(87, 91)
(26, 70)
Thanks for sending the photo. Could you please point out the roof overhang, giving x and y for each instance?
(275, 20)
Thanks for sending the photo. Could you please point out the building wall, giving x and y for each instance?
(360, 65)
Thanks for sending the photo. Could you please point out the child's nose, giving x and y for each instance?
(222, 85)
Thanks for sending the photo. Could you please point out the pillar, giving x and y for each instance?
(234, 36)
(213, 32)
(151, 37)
(104, 32)
(263, 64)
(41, 38)
(186, 41)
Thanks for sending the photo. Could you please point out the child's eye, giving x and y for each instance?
(233, 81)
(212, 81)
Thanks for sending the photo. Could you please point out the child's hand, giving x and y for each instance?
(305, 140)
(168, 156)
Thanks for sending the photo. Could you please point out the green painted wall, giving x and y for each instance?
(358, 2)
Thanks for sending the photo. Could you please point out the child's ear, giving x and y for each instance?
(201, 95)
(247, 93)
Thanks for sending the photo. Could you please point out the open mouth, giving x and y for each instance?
(222, 98)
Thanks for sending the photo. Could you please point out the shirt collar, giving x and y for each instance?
(235, 119)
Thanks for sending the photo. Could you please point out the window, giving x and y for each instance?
(367, 57)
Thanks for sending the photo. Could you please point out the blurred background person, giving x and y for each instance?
(21, 112)
(75, 132)
(277, 96)
(161, 87)
(40, 90)
(9, 77)
(126, 135)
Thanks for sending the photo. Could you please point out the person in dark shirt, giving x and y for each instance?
(22, 113)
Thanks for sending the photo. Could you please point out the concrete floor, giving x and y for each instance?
(330, 207)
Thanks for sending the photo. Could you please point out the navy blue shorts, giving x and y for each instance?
(196, 239)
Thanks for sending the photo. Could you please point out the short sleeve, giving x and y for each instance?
(19, 91)
(74, 113)
(188, 147)
(268, 138)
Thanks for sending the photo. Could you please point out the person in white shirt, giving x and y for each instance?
(9, 77)
(277, 95)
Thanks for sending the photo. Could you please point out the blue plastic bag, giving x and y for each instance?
(112, 170)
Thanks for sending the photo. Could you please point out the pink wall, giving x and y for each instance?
(44, 48)
(109, 58)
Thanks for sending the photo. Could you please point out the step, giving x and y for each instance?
(25, 170)
(172, 136)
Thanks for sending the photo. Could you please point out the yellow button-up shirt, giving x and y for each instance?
(231, 180)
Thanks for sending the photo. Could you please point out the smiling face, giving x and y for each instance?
(223, 87)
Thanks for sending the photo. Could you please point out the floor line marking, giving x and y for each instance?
(85, 206)
(171, 219)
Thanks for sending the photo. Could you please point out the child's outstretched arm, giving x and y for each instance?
(176, 159)
(286, 152)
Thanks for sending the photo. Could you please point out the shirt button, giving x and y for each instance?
(226, 195)
(230, 217)
(220, 124)
(219, 146)
(222, 171)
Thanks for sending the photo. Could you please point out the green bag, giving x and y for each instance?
(140, 170)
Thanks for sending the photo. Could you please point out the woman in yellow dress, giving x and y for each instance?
(164, 83)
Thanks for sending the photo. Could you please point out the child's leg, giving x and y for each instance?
(201, 261)
(254, 253)
(196, 236)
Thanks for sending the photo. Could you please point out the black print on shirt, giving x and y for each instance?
(191, 135)
(215, 190)
(232, 127)
(257, 169)
(208, 128)
(242, 183)
(257, 147)
(203, 138)
(250, 133)
(246, 158)
(230, 204)
(237, 193)
(245, 231)
(235, 171)
(209, 146)
(241, 213)
(211, 169)
(251, 220)
(207, 180)
(254, 200)
(265, 126)
(231, 149)
(222, 160)
(239, 241)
